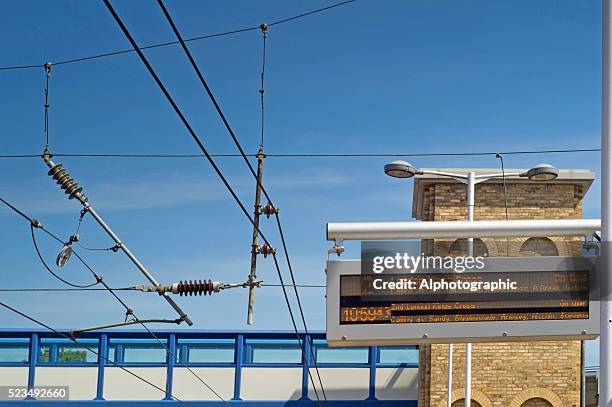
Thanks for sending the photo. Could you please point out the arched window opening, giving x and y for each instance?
(461, 403)
(460, 248)
(539, 246)
(536, 402)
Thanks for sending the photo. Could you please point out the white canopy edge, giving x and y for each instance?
(461, 229)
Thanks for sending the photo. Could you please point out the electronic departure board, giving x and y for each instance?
(545, 298)
(465, 297)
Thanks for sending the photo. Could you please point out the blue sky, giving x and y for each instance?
(370, 77)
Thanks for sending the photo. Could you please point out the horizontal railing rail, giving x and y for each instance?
(236, 350)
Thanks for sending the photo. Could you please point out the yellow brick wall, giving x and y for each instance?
(525, 201)
(518, 374)
(502, 371)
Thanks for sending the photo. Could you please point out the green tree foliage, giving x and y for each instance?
(72, 355)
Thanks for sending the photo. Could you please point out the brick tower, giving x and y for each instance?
(515, 374)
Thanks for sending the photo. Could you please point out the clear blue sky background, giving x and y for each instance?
(370, 77)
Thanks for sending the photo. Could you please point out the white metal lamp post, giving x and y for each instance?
(605, 267)
(402, 169)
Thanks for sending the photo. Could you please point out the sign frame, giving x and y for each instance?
(465, 332)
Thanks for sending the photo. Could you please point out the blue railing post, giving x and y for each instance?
(307, 360)
(53, 353)
(102, 355)
(33, 361)
(184, 354)
(239, 356)
(170, 359)
(373, 356)
(119, 354)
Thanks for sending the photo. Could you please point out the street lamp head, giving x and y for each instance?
(64, 255)
(542, 172)
(400, 169)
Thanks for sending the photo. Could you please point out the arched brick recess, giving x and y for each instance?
(568, 246)
(537, 402)
(459, 247)
(536, 393)
(477, 396)
(561, 246)
(503, 247)
(461, 403)
(539, 246)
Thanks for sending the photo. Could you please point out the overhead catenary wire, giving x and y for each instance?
(36, 224)
(276, 23)
(165, 44)
(262, 90)
(264, 29)
(252, 282)
(309, 155)
(256, 249)
(77, 238)
(178, 111)
(295, 285)
(311, 12)
(299, 303)
(83, 345)
(17, 210)
(129, 311)
(173, 355)
(182, 117)
(206, 88)
(255, 218)
(54, 274)
(46, 106)
(503, 170)
(71, 188)
(56, 289)
(98, 249)
(260, 187)
(201, 146)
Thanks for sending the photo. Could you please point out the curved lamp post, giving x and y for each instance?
(403, 169)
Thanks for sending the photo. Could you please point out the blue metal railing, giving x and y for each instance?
(112, 345)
